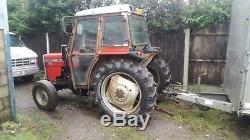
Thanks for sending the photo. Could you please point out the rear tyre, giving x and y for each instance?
(160, 70)
(45, 95)
(125, 86)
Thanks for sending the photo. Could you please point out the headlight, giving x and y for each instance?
(33, 60)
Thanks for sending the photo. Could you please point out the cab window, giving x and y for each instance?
(114, 32)
(86, 35)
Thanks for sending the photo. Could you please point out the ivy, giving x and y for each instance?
(201, 13)
(40, 16)
(170, 15)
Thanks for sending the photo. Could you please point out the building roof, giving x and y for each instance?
(106, 10)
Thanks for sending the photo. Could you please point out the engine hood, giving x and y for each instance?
(21, 52)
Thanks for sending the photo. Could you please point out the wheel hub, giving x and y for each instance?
(42, 97)
(122, 92)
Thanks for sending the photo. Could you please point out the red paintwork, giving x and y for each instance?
(113, 51)
(53, 65)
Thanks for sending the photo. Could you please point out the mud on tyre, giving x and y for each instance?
(116, 82)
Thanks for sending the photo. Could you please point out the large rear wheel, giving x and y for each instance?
(124, 86)
(160, 70)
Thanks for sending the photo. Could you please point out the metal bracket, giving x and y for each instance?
(147, 59)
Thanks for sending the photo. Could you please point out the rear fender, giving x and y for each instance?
(145, 60)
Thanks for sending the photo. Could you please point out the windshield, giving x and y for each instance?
(139, 30)
(15, 41)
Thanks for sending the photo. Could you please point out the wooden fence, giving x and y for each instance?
(208, 48)
(207, 52)
(38, 45)
(172, 51)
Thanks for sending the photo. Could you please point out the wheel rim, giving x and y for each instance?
(41, 97)
(121, 93)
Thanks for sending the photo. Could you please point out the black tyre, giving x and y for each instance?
(125, 86)
(28, 78)
(45, 95)
(160, 70)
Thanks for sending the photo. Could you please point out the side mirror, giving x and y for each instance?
(67, 24)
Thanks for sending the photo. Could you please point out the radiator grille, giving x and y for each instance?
(23, 62)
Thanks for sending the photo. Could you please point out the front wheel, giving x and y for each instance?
(45, 95)
(124, 86)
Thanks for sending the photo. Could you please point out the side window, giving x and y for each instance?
(114, 32)
(86, 35)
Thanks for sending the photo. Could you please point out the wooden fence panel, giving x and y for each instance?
(172, 51)
(208, 49)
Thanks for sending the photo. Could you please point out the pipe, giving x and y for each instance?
(47, 43)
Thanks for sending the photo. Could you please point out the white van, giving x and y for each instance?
(24, 60)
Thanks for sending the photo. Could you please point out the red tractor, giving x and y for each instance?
(108, 56)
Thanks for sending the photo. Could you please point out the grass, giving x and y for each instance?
(28, 128)
(213, 121)
(39, 76)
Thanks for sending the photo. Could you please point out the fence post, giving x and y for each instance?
(186, 58)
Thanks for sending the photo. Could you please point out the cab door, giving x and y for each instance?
(84, 49)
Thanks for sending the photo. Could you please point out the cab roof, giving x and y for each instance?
(106, 10)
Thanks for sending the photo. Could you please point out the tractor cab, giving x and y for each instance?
(106, 31)
(118, 30)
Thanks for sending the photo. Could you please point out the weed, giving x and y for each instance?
(28, 128)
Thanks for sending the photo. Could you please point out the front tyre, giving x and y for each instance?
(123, 85)
(45, 95)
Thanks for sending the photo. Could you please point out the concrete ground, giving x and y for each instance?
(78, 119)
